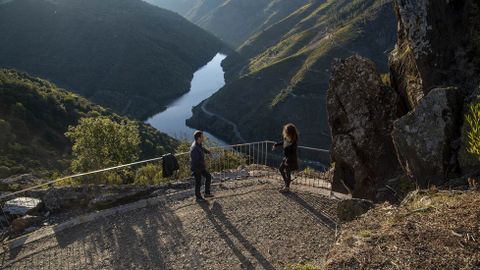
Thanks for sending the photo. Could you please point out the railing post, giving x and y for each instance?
(266, 154)
(258, 153)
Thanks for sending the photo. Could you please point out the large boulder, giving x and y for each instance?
(20, 224)
(58, 199)
(430, 51)
(426, 138)
(361, 111)
(348, 210)
(21, 206)
(108, 200)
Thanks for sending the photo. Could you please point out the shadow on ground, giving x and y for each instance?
(249, 228)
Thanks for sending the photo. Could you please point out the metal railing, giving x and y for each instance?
(247, 160)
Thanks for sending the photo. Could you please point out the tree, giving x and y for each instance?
(100, 143)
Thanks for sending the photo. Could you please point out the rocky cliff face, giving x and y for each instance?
(426, 139)
(430, 50)
(361, 114)
(435, 72)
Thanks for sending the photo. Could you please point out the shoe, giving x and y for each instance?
(285, 190)
(208, 196)
(200, 200)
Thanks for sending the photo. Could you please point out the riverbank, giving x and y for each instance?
(205, 82)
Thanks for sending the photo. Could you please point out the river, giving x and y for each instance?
(206, 81)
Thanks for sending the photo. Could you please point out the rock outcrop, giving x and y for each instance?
(21, 206)
(430, 50)
(94, 197)
(361, 113)
(104, 201)
(430, 54)
(20, 181)
(20, 224)
(435, 71)
(425, 138)
(348, 210)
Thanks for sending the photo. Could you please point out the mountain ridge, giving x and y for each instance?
(287, 82)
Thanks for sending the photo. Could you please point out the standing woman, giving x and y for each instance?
(290, 160)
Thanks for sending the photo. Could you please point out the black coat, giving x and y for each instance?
(169, 165)
(290, 158)
(197, 157)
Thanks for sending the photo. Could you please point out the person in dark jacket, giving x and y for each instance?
(198, 166)
(290, 160)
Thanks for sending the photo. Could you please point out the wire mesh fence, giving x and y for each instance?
(249, 160)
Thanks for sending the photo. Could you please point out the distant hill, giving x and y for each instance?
(125, 54)
(281, 73)
(34, 116)
(233, 21)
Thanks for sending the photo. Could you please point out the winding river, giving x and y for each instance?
(206, 81)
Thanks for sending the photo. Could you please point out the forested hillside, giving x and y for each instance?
(126, 54)
(34, 116)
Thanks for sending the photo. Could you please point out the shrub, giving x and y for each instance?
(149, 174)
(385, 77)
(4, 171)
(473, 133)
(6, 135)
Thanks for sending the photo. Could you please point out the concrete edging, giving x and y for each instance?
(89, 217)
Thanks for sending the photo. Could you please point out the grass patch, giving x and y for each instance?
(365, 234)
(424, 201)
(306, 266)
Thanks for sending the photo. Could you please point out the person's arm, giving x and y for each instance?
(277, 144)
(206, 151)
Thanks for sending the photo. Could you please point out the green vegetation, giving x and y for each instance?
(126, 55)
(385, 77)
(221, 160)
(473, 133)
(101, 143)
(34, 117)
(150, 174)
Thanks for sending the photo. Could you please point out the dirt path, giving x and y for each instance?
(247, 228)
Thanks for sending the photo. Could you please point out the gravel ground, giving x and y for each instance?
(252, 227)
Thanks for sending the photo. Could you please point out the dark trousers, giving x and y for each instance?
(286, 174)
(198, 182)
